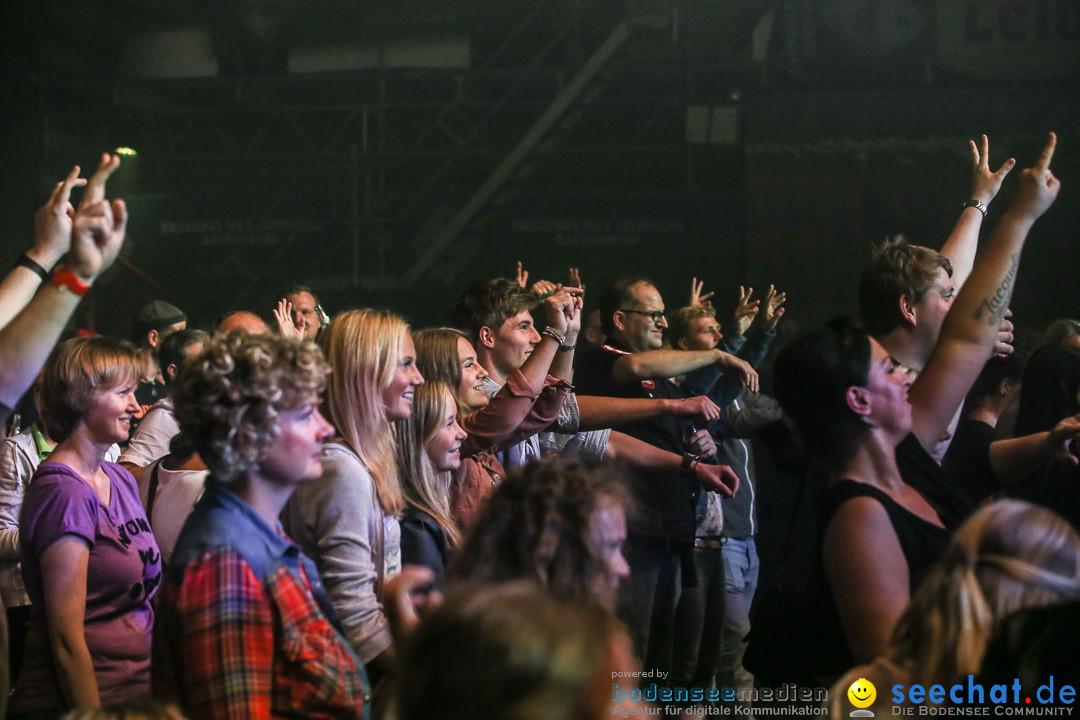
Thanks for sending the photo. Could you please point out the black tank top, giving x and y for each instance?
(921, 541)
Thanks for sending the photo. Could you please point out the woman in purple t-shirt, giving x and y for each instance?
(89, 559)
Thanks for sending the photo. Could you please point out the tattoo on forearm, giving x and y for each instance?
(999, 303)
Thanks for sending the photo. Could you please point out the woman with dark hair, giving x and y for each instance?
(559, 524)
(1051, 392)
(89, 559)
(889, 509)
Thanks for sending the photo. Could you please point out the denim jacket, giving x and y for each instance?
(252, 630)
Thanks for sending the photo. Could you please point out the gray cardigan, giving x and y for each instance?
(337, 521)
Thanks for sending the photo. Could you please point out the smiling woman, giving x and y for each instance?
(429, 448)
(347, 519)
(89, 559)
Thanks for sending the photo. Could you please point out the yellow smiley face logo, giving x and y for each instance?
(862, 693)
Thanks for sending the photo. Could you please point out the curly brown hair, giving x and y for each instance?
(538, 525)
(76, 374)
(228, 397)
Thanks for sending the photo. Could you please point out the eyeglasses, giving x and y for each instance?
(655, 315)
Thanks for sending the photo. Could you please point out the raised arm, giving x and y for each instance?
(283, 317)
(640, 455)
(745, 311)
(97, 234)
(670, 363)
(1014, 458)
(569, 301)
(961, 245)
(599, 412)
(971, 327)
(52, 239)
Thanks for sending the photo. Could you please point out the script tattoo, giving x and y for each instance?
(999, 303)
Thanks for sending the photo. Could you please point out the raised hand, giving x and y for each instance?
(719, 479)
(575, 279)
(286, 327)
(1038, 188)
(53, 222)
(562, 311)
(699, 407)
(540, 288)
(745, 311)
(1003, 345)
(696, 298)
(985, 184)
(98, 227)
(773, 311)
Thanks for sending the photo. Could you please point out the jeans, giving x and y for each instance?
(740, 578)
(699, 621)
(647, 600)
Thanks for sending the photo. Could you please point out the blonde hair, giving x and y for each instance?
(1008, 556)
(364, 348)
(422, 486)
(76, 374)
(438, 359)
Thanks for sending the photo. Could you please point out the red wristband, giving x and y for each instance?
(64, 278)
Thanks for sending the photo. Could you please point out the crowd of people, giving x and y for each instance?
(531, 510)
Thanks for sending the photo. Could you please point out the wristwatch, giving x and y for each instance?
(689, 462)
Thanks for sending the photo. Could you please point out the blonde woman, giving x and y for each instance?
(89, 560)
(429, 449)
(523, 407)
(347, 520)
(1008, 556)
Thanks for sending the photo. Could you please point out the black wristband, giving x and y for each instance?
(30, 264)
(689, 461)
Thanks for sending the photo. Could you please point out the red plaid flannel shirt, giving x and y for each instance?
(245, 648)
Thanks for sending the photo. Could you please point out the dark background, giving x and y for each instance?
(389, 152)
(357, 146)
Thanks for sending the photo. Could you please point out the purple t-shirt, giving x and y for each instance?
(123, 571)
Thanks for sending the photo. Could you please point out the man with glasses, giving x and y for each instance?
(632, 363)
